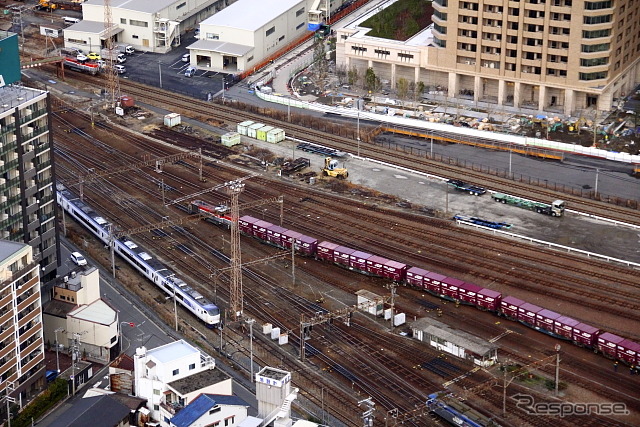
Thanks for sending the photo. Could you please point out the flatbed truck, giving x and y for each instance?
(556, 208)
(474, 190)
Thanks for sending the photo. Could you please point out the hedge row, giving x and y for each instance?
(56, 391)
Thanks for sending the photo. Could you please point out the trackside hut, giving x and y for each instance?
(456, 342)
(240, 36)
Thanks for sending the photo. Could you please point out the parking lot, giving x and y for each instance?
(168, 72)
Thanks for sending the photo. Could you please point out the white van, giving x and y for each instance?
(190, 71)
(68, 20)
(78, 259)
(121, 69)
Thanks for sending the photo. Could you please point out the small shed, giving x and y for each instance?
(172, 119)
(374, 301)
(454, 341)
(230, 139)
(242, 127)
(261, 133)
(275, 135)
(252, 130)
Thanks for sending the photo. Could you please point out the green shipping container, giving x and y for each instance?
(261, 134)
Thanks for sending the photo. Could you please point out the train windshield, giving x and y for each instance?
(213, 311)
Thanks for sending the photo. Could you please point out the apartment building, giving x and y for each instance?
(22, 366)
(27, 202)
(561, 56)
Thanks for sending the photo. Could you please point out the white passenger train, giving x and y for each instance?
(141, 260)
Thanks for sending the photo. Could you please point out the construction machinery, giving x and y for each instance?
(331, 169)
(60, 4)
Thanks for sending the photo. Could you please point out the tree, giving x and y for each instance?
(402, 88)
(341, 73)
(370, 79)
(320, 61)
(353, 76)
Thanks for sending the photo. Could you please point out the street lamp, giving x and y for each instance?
(90, 45)
(250, 322)
(57, 345)
(122, 334)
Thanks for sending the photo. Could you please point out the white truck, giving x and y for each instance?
(118, 57)
(127, 49)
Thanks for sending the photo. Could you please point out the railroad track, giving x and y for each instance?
(228, 114)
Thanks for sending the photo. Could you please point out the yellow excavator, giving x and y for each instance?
(331, 169)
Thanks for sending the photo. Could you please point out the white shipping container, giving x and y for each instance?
(230, 139)
(275, 333)
(252, 130)
(399, 319)
(364, 296)
(242, 127)
(266, 328)
(172, 119)
(276, 135)
(284, 339)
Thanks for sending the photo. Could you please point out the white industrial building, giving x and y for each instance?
(239, 37)
(149, 26)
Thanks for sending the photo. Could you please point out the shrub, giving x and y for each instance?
(56, 391)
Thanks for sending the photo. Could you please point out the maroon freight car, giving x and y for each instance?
(415, 277)
(585, 335)
(358, 260)
(629, 352)
(509, 307)
(375, 265)
(289, 238)
(488, 299)
(394, 270)
(325, 251)
(260, 229)
(545, 319)
(341, 255)
(306, 245)
(245, 224)
(468, 293)
(275, 234)
(450, 287)
(527, 313)
(607, 344)
(563, 326)
(433, 281)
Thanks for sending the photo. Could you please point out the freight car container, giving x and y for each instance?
(325, 251)
(275, 136)
(607, 344)
(358, 260)
(290, 237)
(545, 319)
(374, 303)
(395, 270)
(415, 277)
(509, 307)
(306, 245)
(275, 235)
(585, 335)
(563, 326)
(253, 129)
(375, 265)
(341, 255)
(261, 133)
(450, 287)
(172, 120)
(433, 281)
(230, 139)
(527, 313)
(244, 126)
(628, 351)
(489, 299)
(245, 224)
(468, 293)
(260, 229)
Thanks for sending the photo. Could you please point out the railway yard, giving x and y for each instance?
(346, 364)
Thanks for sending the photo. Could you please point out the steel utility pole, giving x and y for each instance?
(250, 322)
(234, 188)
(113, 85)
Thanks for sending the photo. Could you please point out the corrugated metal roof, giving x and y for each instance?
(250, 15)
(172, 351)
(94, 27)
(96, 312)
(221, 47)
(460, 338)
(144, 6)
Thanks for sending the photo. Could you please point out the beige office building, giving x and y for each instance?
(561, 56)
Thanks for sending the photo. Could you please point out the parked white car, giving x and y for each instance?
(78, 259)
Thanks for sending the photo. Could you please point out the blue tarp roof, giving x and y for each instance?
(203, 403)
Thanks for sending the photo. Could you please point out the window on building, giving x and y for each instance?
(212, 36)
(594, 62)
(123, 20)
(181, 5)
(381, 52)
(137, 23)
(248, 60)
(113, 339)
(156, 407)
(134, 36)
(588, 48)
(440, 28)
(405, 57)
(270, 31)
(600, 19)
(215, 409)
(176, 372)
(156, 392)
(300, 25)
(593, 76)
(596, 34)
(597, 5)
(299, 11)
(193, 365)
(281, 38)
